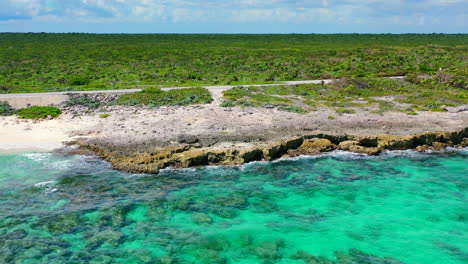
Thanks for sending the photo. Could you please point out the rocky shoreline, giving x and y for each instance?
(147, 139)
(150, 158)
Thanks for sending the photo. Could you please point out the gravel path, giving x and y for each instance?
(121, 91)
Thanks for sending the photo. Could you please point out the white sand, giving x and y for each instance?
(17, 135)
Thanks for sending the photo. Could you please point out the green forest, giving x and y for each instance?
(41, 62)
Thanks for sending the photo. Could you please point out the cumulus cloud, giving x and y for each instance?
(239, 11)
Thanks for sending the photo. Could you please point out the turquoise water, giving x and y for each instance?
(338, 208)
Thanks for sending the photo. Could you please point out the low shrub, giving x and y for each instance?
(156, 97)
(6, 109)
(153, 90)
(266, 97)
(4, 89)
(292, 109)
(424, 92)
(37, 112)
(79, 80)
(85, 100)
(345, 111)
(228, 103)
(104, 115)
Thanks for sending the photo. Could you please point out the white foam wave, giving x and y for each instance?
(43, 184)
(352, 155)
(168, 169)
(335, 153)
(37, 156)
(58, 162)
(413, 153)
(47, 186)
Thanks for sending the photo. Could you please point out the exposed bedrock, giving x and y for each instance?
(191, 151)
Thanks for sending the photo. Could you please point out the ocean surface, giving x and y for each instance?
(401, 207)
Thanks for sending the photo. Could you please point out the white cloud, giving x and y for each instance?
(240, 11)
(23, 7)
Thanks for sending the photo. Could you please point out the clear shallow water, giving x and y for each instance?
(339, 208)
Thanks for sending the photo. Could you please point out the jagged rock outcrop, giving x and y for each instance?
(357, 147)
(146, 158)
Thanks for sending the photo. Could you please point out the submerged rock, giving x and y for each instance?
(270, 250)
(111, 237)
(309, 258)
(217, 243)
(264, 206)
(236, 201)
(168, 260)
(61, 224)
(354, 256)
(227, 213)
(17, 234)
(201, 218)
(183, 204)
(142, 255)
(101, 260)
(211, 256)
(115, 216)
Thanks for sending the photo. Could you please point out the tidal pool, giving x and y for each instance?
(401, 207)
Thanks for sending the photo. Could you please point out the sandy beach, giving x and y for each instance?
(22, 135)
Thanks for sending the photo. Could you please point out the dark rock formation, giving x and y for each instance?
(150, 158)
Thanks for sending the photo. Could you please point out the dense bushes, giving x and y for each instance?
(37, 112)
(43, 62)
(6, 109)
(156, 97)
(86, 101)
(33, 112)
(79, 80)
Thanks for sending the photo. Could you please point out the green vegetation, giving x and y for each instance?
(86, 101)
(254, 97)
(429, 93)
(345, 111)
(37, 112)
(156, 97)
(6, 109)
(66, 62)
(104, 115)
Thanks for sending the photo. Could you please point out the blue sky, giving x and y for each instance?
(235, 16)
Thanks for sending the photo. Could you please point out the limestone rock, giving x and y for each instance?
(317, 145)
(149, 157)
(458, 109)
(422, 148)
(354, 146)
(346, 145)
(463, 143)
(391, 142)
(440, 146)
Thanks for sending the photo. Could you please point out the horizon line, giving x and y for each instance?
(238, 33)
